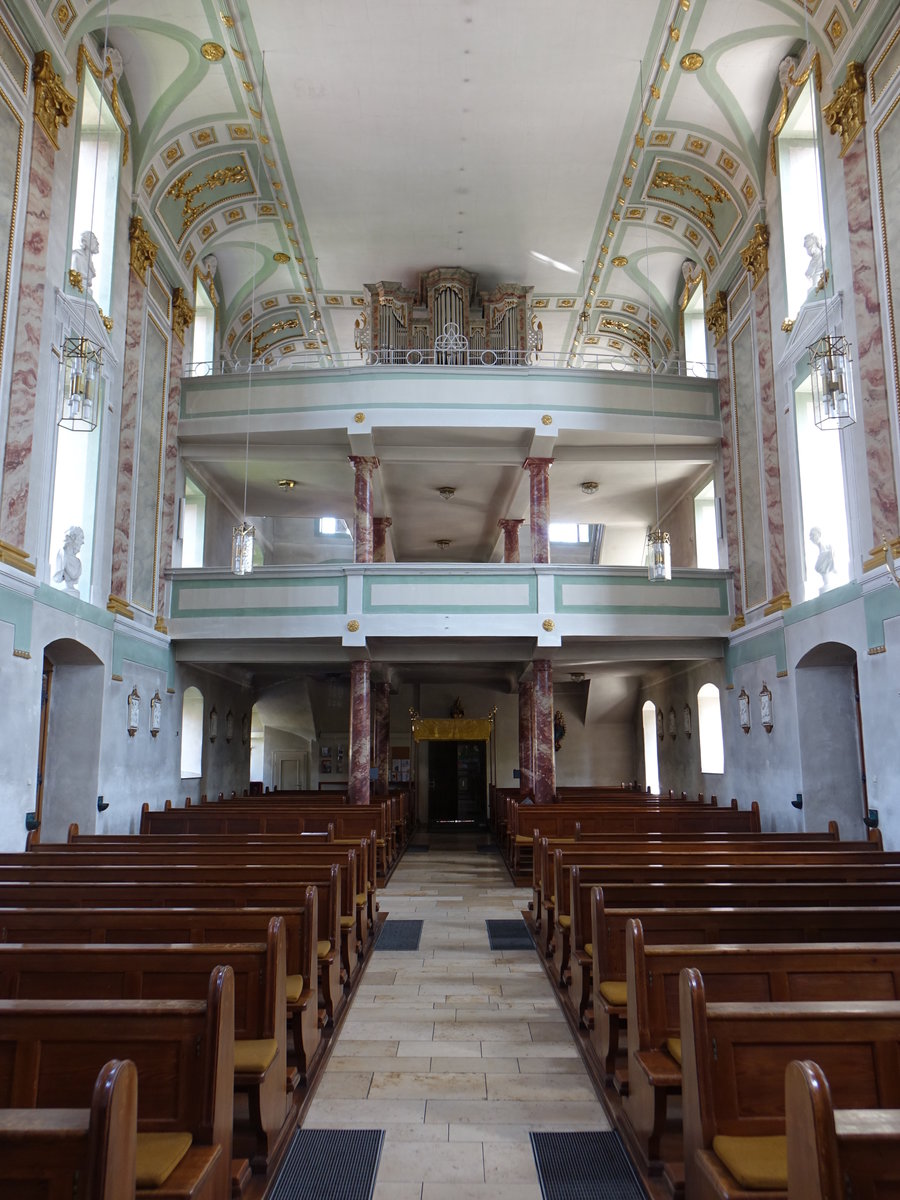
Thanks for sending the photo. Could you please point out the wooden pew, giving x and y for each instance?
(734, 1058)
(194, 925)
(274, 897)
(241, 848)
(75, 1153)
(832, 1154)
(51, 1052)
(715, 884)
(759, 972)
(697, 924)
(181, 972)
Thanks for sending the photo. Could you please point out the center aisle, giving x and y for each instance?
(457, 1051)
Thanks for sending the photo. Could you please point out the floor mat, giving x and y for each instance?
(487, 848)
(509, 935)
(399, 935)
(584, 1166)
(330, 1164)
(417, 849)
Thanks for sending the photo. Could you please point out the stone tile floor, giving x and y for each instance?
(455, 1050)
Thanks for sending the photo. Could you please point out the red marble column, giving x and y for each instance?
(167, 528)
(539, 469)
(769, 446)
(729, 476)
(544, 763)
(26, 346)
(360, 738)
(382, 732)
(131, 373)
(363, 534)
(874, 404)
(510, 527)
(379, 538)
(526, 738)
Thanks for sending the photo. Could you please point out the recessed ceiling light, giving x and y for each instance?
(446, 493)
(560, 266)
(286, 484)
(576, 676)
(590, 486)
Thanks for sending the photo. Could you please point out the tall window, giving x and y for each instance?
(651, 757)
(96, 185)
(203, 346)
(803, 221)
(332, 527)
(568, 532)
(823, 505)
(192, 734)
(709, 721)
(193, 528)
(706, 537)
(695, 351)
(75, 503)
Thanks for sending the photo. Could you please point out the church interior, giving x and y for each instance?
(379, 442)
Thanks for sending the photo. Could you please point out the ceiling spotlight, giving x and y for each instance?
(286, 484)
(446, 493)
(443, 543)
(576, 676)
(590, 486)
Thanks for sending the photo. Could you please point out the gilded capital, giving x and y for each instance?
(182, 313)
(143, 248)
(52, 103)
(755, 255)
(717, 317)
(846, 114)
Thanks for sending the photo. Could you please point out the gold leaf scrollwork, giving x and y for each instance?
(108, 73)
(638, 337)
(143, 248)
(76, 279)
(789, 80)
(277, 327)
(179, 190)
(755, 255)
(846, 114)
(53, 106)
(717, 317)
(182, 313)
(681, 185)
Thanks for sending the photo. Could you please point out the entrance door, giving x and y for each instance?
(457, 782)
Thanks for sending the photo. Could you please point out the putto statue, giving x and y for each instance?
(824, 564)
(68, 564)
(815, 269)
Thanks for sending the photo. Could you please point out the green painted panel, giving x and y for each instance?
(668, 589)
(820, 604)
(880, 607)
(218, 606)
(144, 654)
(16, 610)
(220, 178)
(767, 645)
(447, 583)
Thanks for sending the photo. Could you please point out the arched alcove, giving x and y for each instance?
(828, 725)
(69, 763)
(709, 729)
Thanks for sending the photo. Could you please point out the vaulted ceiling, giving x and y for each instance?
(316, 146)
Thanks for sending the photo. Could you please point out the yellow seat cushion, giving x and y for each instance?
(360, 898)
(614, 992)
(758, 1163)
(323, 948)
(348, 922)
(293, 988)
(673, 1045)
(589, 948)
(564, 922)
(158, 1154)
(255, 1056)
(524, 839)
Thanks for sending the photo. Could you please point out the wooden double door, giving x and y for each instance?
(457, 783)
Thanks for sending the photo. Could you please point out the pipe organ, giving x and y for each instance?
(446, 321)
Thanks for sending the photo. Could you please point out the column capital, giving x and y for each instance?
(755, 255)
(717, 317)
(53, 106)
(510, 522)
(364, 464)
(143, 248)
(182, 313)
(384, 522)
(846, 114)
(537, 464)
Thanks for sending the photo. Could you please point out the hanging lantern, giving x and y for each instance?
(79, 407)
(832, 383)
(242, 537)
(659, 559)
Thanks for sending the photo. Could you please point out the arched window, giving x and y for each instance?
(651, 759)
(192, 734)
(709, 721)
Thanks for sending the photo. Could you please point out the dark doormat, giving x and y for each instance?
(487, 848)
(416, 849)
(587, 1165)
(509, 935)
(330, 1164)
(399, 935)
